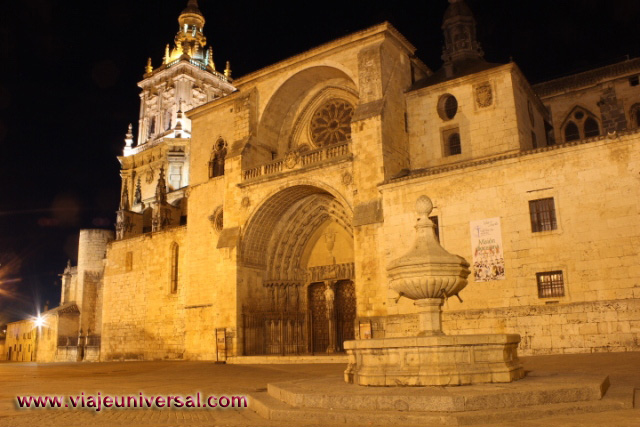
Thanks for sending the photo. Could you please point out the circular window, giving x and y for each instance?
(578, 115)
(331, 123)
(447, 107)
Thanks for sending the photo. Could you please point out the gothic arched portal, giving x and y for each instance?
(297, 270)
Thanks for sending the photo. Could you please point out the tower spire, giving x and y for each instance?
(460, 41)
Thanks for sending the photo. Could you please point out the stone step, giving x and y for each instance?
(287, 360)
(332, 393)
(273, 409)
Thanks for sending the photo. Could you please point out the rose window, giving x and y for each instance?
(331, 123)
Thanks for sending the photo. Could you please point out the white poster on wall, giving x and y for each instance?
(486, 247)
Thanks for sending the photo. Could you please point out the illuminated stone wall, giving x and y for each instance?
(142, 318)
(264, 222)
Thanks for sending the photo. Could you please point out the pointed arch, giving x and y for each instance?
(571, 132)
(591, 127)
(580, 123)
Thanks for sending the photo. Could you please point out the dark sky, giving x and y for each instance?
(68, 90)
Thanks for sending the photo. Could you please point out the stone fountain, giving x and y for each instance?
(428, 274)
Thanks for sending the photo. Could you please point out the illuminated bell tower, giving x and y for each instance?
(461, 50)
(186, 79)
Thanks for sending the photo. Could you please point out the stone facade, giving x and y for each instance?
(301, 177)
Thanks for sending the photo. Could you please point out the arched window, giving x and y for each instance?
(571, 132)
(580, 124)
(591, 128)
(453, 143)
(174, 267)
(216, 165)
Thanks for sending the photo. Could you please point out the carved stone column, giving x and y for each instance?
(330, 296)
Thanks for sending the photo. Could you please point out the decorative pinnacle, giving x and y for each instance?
(210, 59)
(227, 70)
(128, 140)
(149, 67)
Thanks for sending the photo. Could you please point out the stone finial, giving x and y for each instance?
(149, 68)
(210, 59)
(424, 206)
(427, 270)
(227, 70)
(128, 138)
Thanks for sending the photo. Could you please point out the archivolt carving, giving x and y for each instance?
(291, 238)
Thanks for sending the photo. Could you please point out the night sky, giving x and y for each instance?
(68, 91)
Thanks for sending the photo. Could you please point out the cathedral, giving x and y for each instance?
(258, 214)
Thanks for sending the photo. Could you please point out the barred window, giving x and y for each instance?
(550, 284)
(454, 144)
(543, 215)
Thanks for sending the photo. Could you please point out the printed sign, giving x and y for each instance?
(486, 247)
(365, 330)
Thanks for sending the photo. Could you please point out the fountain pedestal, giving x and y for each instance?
(427, 274)
(434, 360)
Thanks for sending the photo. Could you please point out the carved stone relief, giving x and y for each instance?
(484, 95)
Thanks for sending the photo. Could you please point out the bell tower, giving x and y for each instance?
(461, 47)
(185, 79)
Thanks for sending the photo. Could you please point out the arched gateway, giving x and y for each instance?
(297, 267)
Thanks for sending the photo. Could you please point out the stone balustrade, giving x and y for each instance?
(296, 160)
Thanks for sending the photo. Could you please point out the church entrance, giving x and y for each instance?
(298, 254)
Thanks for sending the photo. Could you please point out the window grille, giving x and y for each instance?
(543, 215)
(550, 284)
(454, 145)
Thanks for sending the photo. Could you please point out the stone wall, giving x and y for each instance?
(595, 190)
(581, 327)
(21, 338)
(47, 339)
(142, 318)
(498, 124)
